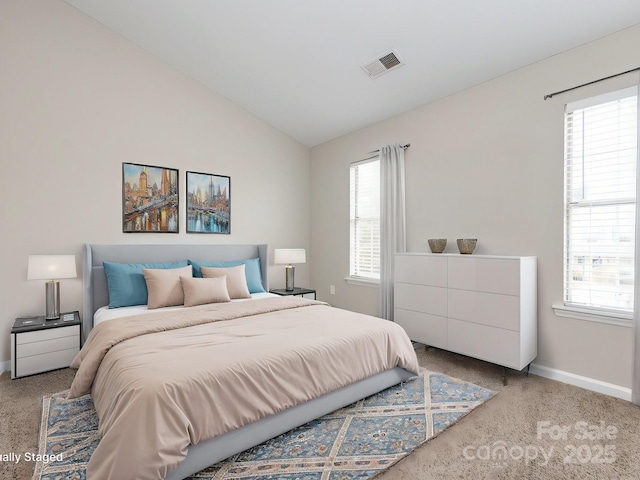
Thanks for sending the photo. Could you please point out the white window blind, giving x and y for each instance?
(600, 201)
(365, 219)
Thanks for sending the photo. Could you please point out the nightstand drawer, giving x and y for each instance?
(48, 334)
(47, 361)
(55, 344)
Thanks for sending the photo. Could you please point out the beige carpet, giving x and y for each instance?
(508, 437)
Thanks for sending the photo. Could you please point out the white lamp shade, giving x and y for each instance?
(287, 256)
(50, 267)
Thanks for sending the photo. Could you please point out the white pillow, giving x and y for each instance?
(236, 279)
(164, 286)
(198, 291)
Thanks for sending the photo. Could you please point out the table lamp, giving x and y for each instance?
(51, 268)
(287, 256)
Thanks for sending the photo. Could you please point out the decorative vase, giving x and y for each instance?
(437, 244)
(466, 245)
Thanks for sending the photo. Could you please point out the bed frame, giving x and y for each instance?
(209, 452)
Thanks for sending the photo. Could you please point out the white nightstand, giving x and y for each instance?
(39, 345)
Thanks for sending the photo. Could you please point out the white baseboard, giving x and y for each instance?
(583, 382)
(5, 366)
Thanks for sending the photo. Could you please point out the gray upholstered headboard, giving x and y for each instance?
(94, 280)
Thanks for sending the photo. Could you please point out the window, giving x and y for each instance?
(364, 219)
(600, 201)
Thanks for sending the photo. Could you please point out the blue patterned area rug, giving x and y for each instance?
(355, 442)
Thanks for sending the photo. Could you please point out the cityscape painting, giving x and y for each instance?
(149, 199)
(208, 203)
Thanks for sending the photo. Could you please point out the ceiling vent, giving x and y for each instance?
(382, 64)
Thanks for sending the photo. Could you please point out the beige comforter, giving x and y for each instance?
(162, 381)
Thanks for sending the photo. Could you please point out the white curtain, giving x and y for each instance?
(392, 221)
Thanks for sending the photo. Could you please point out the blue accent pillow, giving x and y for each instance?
(126, 284)
(251, 271)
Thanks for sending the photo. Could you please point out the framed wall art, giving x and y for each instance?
(208, 203)
(149, 199)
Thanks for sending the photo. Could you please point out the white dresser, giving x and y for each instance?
(482, 306)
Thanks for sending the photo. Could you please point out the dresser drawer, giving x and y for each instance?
(491, 344)
(421, 270)
(422, 327)
(502, 311)
(421, 298)
(485, 275)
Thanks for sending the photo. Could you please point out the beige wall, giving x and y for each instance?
(486, 163)
(77, 100)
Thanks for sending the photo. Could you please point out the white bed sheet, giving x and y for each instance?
(105, 313)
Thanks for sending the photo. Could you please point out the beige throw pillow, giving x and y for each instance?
(164, 286)
(198, 291)
(236, 279)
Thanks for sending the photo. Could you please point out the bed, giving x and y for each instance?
(234, 319)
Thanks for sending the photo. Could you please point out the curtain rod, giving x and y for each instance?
(404, 147)
(549, 95)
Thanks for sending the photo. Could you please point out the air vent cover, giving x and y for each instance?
(382, 64)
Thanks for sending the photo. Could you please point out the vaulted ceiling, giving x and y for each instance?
(296, 63)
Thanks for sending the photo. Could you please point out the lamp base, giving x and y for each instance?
(52, 300)
(290, 272)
